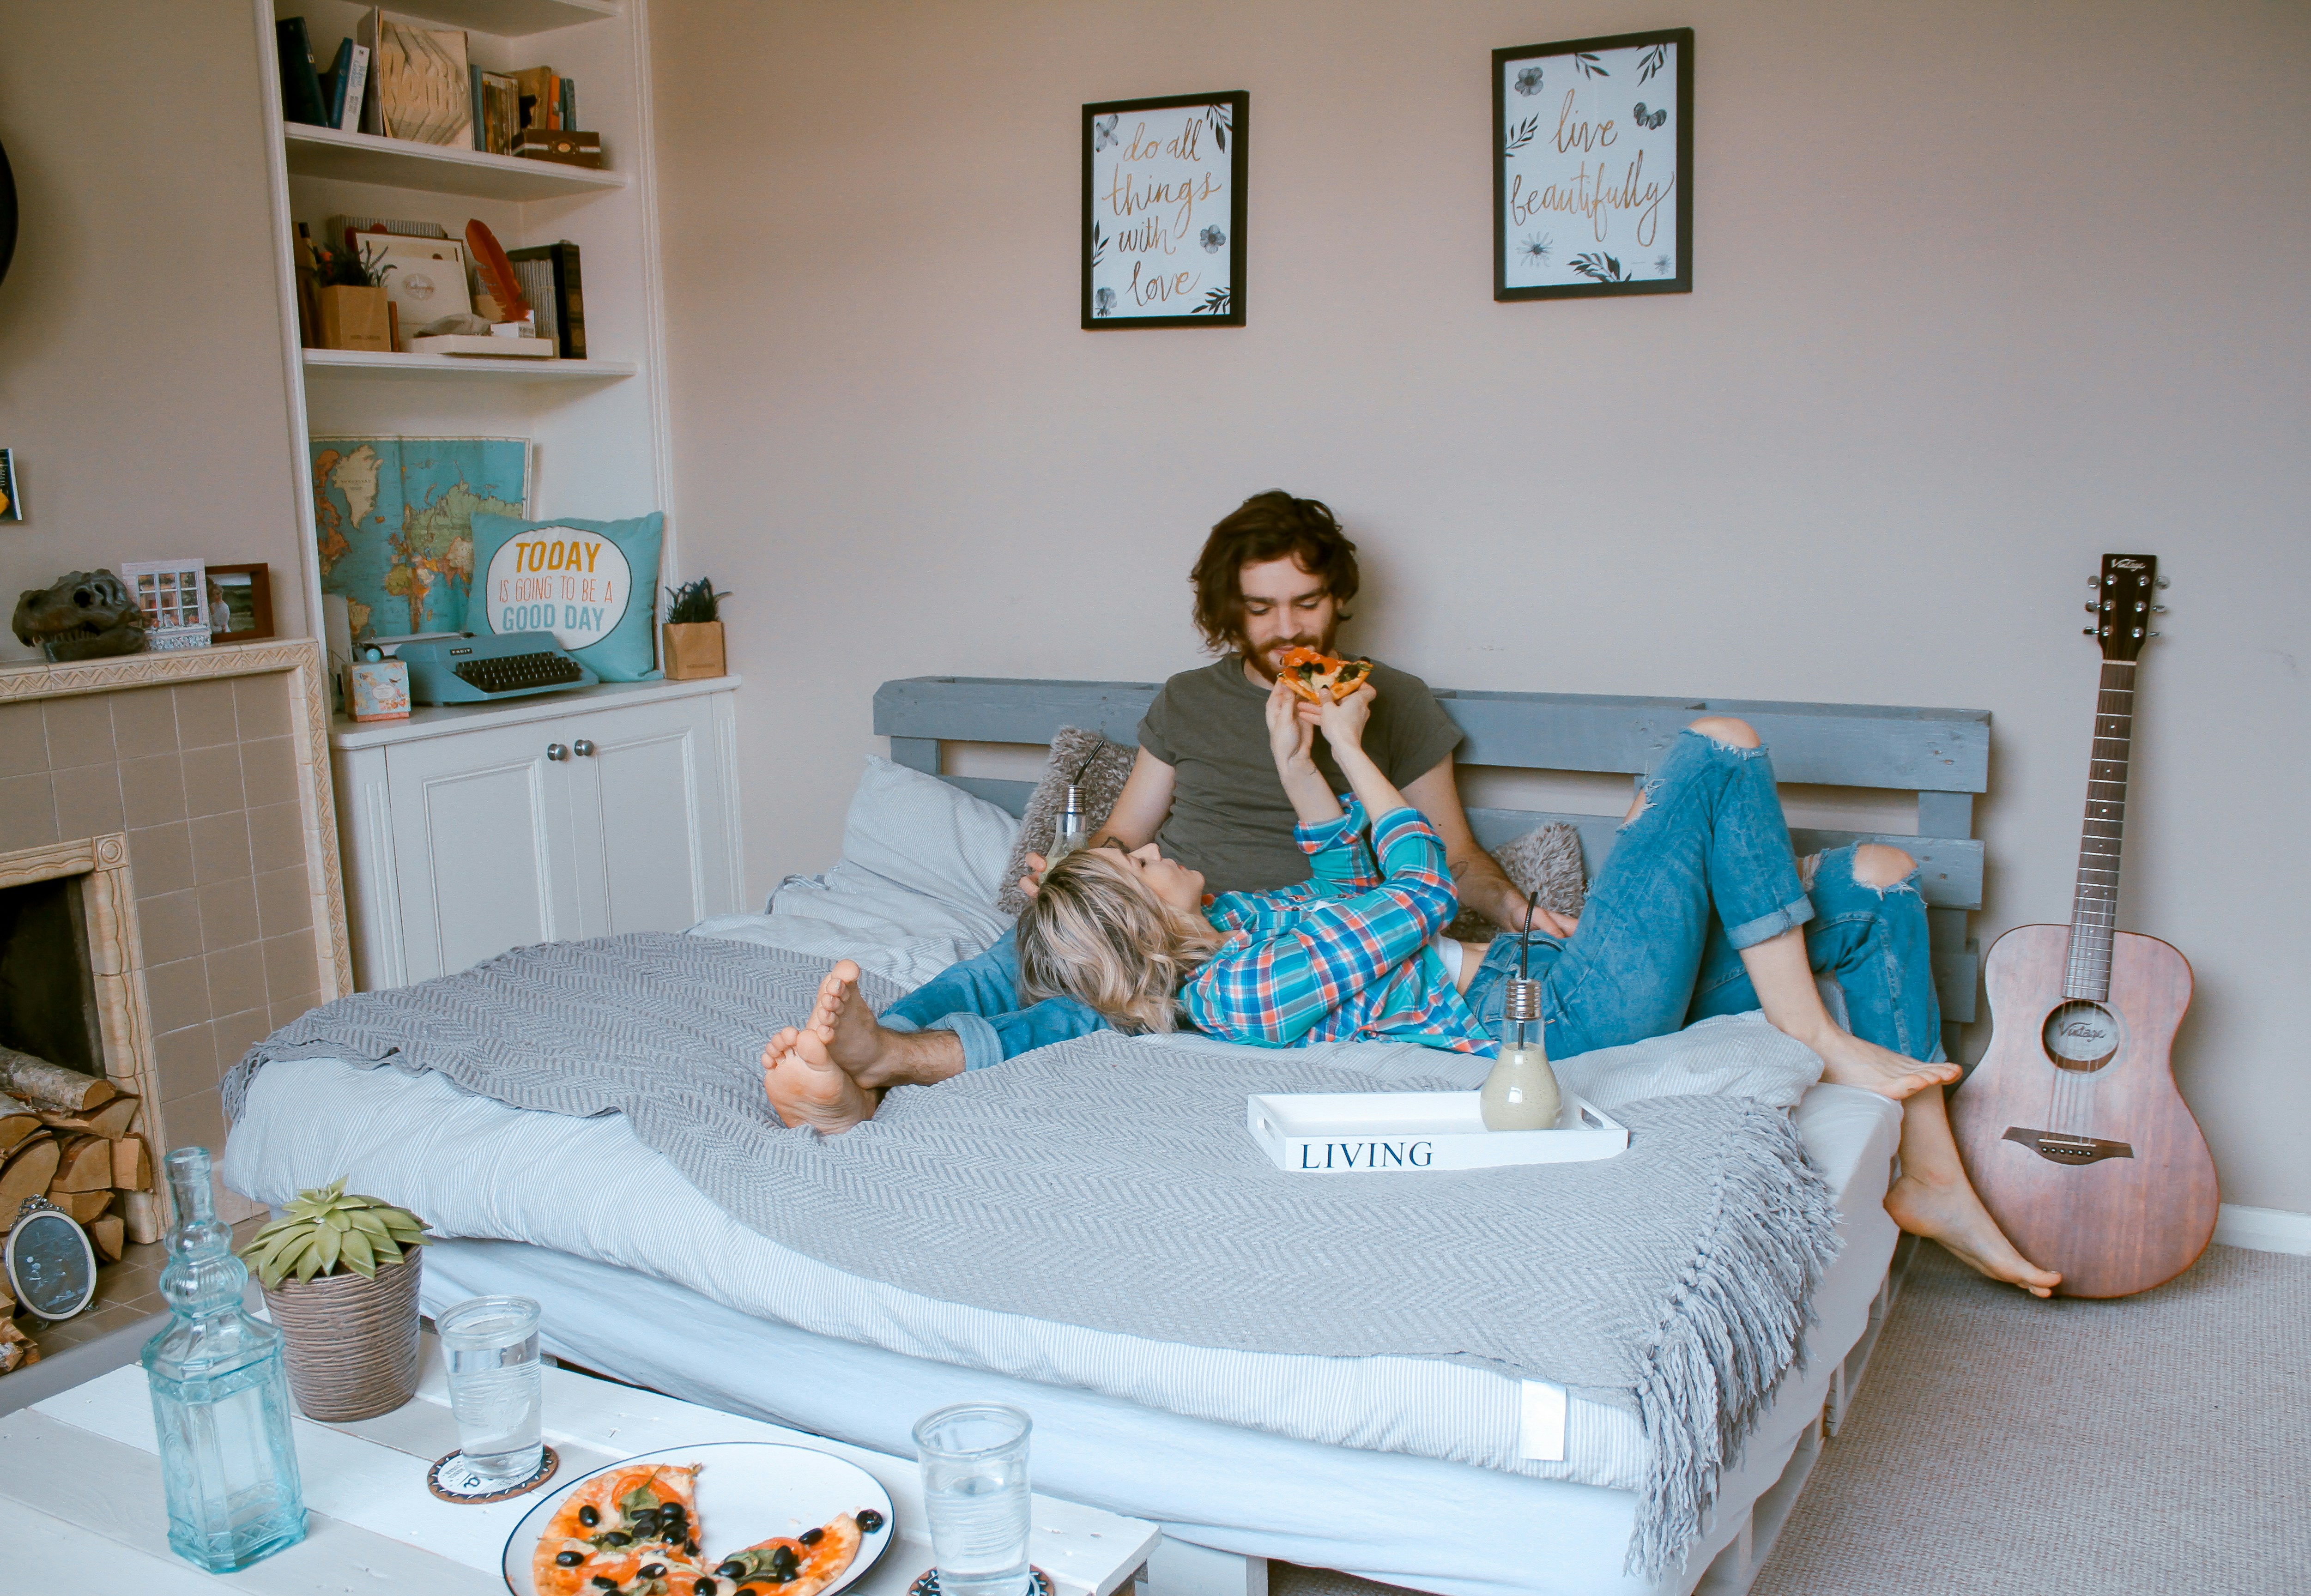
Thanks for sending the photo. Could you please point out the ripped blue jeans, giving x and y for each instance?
(1703, 871)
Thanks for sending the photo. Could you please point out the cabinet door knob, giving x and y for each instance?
(555, 751)
(584, 749)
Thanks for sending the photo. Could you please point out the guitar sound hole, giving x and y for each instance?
(2081, 1035)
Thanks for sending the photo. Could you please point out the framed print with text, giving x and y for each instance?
(1592, 167)
(1163, 211)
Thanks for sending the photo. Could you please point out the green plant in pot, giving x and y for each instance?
(340, 1273)
(693, 631)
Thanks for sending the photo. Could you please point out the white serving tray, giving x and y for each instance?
(1406, 1133)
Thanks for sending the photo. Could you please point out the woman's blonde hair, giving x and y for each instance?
(1095, 932)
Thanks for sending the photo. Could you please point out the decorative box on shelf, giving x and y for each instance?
(552, 143)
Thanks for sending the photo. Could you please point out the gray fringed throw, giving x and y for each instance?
(1110, 1182)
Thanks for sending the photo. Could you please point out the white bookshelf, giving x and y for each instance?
(598, 425)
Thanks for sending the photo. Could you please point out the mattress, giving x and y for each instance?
(473, 1167)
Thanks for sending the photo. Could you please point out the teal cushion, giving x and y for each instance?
(593, 584)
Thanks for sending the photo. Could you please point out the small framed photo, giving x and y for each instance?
(1592, 167)
(240, 602)
(1163, 211)
(174, 596)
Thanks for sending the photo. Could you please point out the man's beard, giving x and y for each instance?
(1265, 663)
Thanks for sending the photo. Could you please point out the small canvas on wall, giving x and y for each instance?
(1592, 167)
(1164, 211)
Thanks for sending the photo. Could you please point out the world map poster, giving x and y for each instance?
(393, 518)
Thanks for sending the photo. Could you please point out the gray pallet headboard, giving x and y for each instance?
(1941, 755)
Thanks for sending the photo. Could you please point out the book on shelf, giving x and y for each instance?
(541, 97)
(548, 276)
(333, 231)
(301, 85)
(424, 92)
(351, 83)
(497, 111)
(568, 102)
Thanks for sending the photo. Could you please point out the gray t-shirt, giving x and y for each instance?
(1230, 818)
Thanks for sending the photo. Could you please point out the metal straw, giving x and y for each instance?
(1524, 947)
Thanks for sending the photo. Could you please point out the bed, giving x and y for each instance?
(1428, 1475)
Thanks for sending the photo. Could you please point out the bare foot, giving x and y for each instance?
(1953, 1214)
(807, 1087)
(1847, 1060)
(869, 1053)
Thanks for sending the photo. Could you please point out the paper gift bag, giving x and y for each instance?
(693, 650)
(356, 318)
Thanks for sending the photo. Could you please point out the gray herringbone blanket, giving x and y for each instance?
(1110, 1182)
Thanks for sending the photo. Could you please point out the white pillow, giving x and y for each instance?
(918, 831)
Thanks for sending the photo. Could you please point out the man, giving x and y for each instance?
(1274, 576)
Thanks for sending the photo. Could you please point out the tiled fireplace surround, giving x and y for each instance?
(213, 764)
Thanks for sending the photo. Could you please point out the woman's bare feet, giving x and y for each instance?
(806, 1086)
(1952, 1213)
(1847, 1060)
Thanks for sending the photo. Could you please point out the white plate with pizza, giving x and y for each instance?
(717, 1519)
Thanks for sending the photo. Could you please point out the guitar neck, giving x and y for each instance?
(2093, 901)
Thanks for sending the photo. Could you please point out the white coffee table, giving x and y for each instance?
(81, 1500)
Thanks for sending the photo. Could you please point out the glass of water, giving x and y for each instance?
(975, 1459)
(496, 1385)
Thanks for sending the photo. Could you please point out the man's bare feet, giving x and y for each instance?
(869, 1053)
(1847, 1060)
(807, 1087)
(1953, 1214)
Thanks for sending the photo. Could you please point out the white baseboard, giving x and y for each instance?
(2266, 1230)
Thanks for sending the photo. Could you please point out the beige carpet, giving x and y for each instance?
(2161, 1443)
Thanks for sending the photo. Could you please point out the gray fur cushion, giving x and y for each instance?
(1105, 766)
(1548, 857)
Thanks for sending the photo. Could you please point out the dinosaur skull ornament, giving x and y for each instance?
(85, 615)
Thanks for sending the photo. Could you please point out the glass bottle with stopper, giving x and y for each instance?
(1521, 1092)
(219, 1395)
(1067, 831)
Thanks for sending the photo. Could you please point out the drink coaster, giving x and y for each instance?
(451, 1480)
(926, 1582)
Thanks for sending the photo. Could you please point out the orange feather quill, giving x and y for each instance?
(495, 270)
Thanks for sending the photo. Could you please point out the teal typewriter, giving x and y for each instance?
(481, 668)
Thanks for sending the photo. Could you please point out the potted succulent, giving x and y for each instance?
(355, 311)
(694, 630)
(340, 1276)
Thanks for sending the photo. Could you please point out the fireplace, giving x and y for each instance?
(169, 890)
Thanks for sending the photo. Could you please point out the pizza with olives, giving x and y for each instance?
(796, 1564)
(635, 1532)
(1312, 675)
(630, 1531)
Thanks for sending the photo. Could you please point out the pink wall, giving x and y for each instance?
(1982, 290)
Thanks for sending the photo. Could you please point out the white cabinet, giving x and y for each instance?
(471, 829)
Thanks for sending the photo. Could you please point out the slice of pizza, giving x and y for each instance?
(625, 1530)
(1312, 675)
(794, 1566)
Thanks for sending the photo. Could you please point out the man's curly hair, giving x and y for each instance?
(1267, 526)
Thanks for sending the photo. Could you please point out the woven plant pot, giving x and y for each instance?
(352, 1341)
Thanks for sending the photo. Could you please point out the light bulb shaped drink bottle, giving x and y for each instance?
(219, 1395)
(1520, 1093)
(1067, 830)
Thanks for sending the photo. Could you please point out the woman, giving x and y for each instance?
(1700, 910)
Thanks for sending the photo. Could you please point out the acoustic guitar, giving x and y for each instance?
(2071, 1127)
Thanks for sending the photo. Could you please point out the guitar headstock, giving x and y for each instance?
(2124, 601)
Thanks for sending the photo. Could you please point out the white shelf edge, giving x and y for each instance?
(450, 162)
(508, 19)
(342, 361)
(442, 721)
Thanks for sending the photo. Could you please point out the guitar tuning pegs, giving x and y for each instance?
(2091, 607)
(2165, 581)
(2085, 632)
(2094, 582)
(2157, 609)
(2154, 634)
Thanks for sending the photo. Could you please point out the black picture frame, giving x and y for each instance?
(1229, 123)
(49, 1260)
(1513, 134)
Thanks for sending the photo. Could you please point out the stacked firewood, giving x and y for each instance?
(76, 1140)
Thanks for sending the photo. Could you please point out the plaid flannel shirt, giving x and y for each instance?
(1344, 957)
